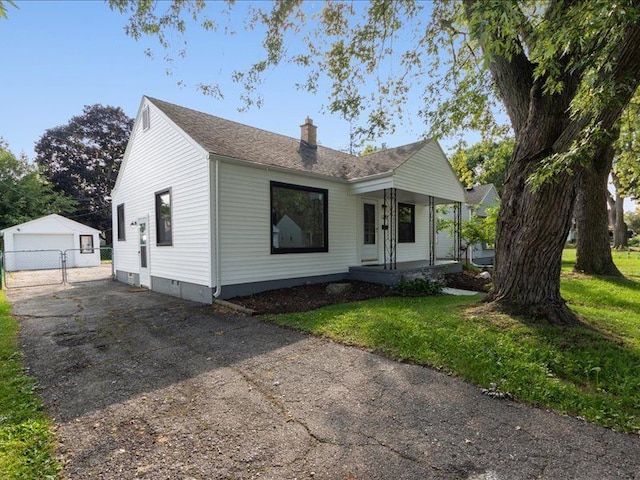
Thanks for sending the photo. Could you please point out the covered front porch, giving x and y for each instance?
(398, 219)
(398, 232)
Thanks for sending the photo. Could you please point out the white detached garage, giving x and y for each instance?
(40, 243)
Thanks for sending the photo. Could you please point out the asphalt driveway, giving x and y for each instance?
(147, 386)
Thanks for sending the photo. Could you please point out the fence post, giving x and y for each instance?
(63, 261)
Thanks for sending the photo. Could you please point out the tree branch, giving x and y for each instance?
(623, 79)
(512, 71)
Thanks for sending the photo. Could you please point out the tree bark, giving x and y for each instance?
(620, 239)
(593, 248)
(532, 229)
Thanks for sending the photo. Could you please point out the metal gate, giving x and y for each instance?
(34, 268)
(75, 272)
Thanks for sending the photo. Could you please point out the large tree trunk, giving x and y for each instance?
(593, 250)
(534, 222)
(531, 233)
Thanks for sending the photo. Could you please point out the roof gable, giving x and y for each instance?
(39, 225)
(477, 194)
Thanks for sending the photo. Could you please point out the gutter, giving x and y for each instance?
(218, 291)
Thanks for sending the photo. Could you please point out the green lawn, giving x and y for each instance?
(26, 439)
(592, 371)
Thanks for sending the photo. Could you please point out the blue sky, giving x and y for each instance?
(60, 56)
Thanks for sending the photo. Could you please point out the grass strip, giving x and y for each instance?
(27, 446)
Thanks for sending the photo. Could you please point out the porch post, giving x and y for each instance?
(389, 227)
(432, 230)
(457, 219)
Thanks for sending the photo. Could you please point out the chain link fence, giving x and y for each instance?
(34, 268)
(77, 269)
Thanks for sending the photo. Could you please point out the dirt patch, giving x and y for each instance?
(310, 297)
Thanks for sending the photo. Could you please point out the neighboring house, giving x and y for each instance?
(477, 200)
(289, 234)
(38, 244)
(205, 207)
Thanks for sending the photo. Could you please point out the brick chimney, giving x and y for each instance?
(308, 133)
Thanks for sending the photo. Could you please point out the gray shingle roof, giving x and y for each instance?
(231, 139)
(476, 194)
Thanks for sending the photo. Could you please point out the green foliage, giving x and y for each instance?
(626, 164)
(439, 48)
(633, 221)
(369, 148)
(27, 448)
(477, 229)
(3, 7)
(399, 48)
(485, 162)
(592, 371)
(81, 159)
(419, 287)
(24, 193)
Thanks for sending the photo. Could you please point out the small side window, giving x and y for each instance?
(86, 243)
(164, 234)
(121, 230)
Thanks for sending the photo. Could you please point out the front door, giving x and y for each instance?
(144, 252)
(369, 250)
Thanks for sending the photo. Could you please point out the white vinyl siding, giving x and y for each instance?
(419, 250)
(428, 172)
(445, 242)
(245, 216)
(158, 159)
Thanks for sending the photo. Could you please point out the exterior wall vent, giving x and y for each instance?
(146, 119)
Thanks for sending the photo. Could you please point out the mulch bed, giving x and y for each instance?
(468, 280)
(310, 297)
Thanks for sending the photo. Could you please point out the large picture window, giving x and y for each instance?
(299, 219)
(163, 218)
(406, 223)
(121, 230)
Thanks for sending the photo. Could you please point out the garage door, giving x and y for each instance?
(47, 250)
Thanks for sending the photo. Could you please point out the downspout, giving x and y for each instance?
(218, 291)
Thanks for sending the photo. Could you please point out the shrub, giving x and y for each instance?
(419, 287)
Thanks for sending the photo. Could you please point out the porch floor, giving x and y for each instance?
(378, 273)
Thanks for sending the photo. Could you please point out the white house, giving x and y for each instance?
(39, 244)
(289, 233)
(478, 199)
(200, 204)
